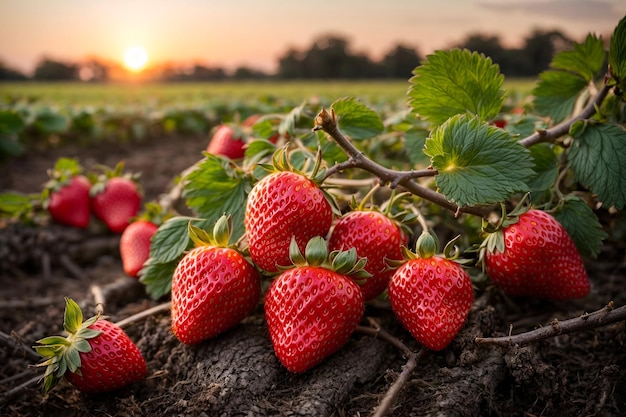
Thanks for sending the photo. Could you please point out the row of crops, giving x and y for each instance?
(36, 116)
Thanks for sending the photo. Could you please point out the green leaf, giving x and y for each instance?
(10, 146)
(157, 277)
(170, 240)
(11, 122)
(288, 124)
(556, 94)
(582, 225)
(215, 187)
(585, 60)
(48, 121)
(617, 53)
(14, 204)
(356, 120)
(73, 317)
(414, 140)
(546, 167)
(598, 157)
(477, 163)
(455, 82)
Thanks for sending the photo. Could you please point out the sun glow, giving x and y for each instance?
(135, 58)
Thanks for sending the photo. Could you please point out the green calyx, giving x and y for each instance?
(316, 254)
(494, 236)
(63, 353)
(220, 235)
(62, 173)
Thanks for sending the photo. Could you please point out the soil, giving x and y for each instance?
(237, 373)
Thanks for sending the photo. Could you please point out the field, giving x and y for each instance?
(161, 130)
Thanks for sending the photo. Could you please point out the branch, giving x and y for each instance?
(562, 129)
(599, 318)
(408, 368)
(328, 123)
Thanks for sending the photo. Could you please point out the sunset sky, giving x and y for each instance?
(256, 33)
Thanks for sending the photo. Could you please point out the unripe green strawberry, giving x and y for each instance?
(375, 237)
(97, 356)
(431, 296)
(283, 205)
(313, 308)
(533, 255)
(213, 288)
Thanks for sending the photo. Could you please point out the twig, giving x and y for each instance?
(146, 313)
(599, 318)
(98, 298)
(562, 128)
(327, 122)
(34, 302)
(15, 345)
(407, 369)
(8, 395)
(71, 267)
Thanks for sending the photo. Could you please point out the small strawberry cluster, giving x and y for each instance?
(324, 267)
(70, 196)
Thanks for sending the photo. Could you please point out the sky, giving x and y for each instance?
(255, 33)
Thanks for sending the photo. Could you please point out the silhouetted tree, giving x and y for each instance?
(10, 74)
(49, 70)
(246, 73)
(540, 47)
(400, 62)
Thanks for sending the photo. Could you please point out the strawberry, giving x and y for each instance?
(116, 200)
(66, 195)
(312, 309)
(96, 356)
(531, 254)
(375, 237)
(227, 141)
(70, 205)
(430, 295)
(135, 245)
(280, 206)
(213, 288)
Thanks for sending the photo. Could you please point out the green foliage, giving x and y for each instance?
(559, 89)
(454, 82)
(356, 120)
(556, 94)
(478, 164)
(617, 54)
(216, 187)
(598, 156)
(546, 168)
(585, 59)
(582, 225)
(11, 124)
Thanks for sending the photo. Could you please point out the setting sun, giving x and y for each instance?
(135, 58)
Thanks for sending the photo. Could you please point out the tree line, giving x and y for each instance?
(328, 57)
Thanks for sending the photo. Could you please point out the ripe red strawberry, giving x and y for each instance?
(375, 237)
(135, 245)
(430, 295)
(117, 204)
(281, 205)
(69, 202)
(533, 255)
(96, 356)
(227, 141)
(213, 288)
(313, 308)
